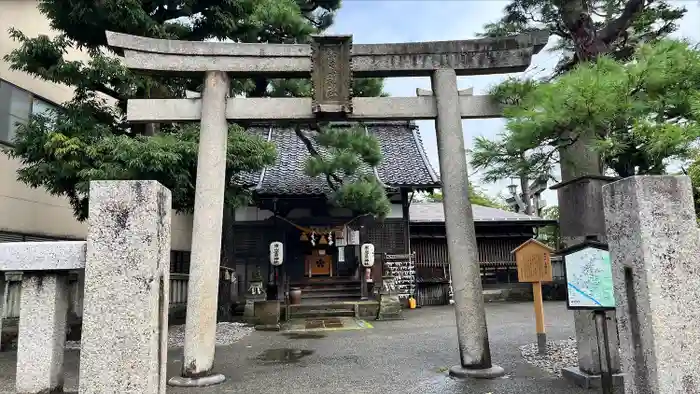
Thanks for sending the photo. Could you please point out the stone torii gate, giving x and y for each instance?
(332, 62)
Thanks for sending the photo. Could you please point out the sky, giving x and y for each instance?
(389, 21)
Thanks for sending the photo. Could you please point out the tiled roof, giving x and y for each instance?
(432, 212)
(404, 162)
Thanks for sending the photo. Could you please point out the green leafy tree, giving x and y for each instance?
(88, 138)
(550, 234)
(588, 29)
(477, 196)
(499, 159)
(640, 114)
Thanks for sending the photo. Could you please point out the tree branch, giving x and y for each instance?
(330, 177)
(612, 30)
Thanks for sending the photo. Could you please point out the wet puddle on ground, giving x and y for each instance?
(304, 335)
(282, 356)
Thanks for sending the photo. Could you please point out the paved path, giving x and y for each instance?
(409, 356)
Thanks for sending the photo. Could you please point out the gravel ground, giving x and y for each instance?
(227, 333)
(560, 354)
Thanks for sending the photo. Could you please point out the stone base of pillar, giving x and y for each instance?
(204, 381)
(459, 371)
(587, 381)
(390, 307)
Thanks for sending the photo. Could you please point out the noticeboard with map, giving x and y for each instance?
(589, 279)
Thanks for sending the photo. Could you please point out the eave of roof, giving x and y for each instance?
(433, 213)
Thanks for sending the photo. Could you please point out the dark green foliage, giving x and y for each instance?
(347, 158)
(89, 138)
(79, 148)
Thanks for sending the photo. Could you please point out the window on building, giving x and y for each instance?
(16, 106)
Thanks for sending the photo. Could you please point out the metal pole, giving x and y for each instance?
(601, 327)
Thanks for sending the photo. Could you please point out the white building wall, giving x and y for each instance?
(33, 211)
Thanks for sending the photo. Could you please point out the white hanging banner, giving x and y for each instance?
(341, 254)
(353, 237)
(367, 255)
(276, 253)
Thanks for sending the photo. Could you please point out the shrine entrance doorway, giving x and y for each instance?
(319, 263)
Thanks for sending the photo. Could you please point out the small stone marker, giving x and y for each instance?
(125, 316)
(653, 238)
(43, 309)
(534, 262)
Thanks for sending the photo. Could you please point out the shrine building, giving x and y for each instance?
(321, 242)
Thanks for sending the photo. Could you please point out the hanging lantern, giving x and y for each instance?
(322, 240)
(304, 237)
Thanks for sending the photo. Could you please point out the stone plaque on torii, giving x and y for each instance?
(331, 62)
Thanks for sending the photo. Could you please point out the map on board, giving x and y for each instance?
(589, 279)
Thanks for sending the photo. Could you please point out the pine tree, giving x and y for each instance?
(590, 28)
(640, 114)
(585, 31)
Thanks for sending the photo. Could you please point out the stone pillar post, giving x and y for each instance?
(43, 309)
(653, 239)
(3, 297)
(472, 333)
(581, 216)
(125, 310)
(203, 285)
(42, 332)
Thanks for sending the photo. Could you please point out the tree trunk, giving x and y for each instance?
(578, 21)
(527, 198)
(589, 42)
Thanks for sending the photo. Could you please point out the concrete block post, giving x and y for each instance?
(43, 309)
(42, 332)
(203, 286)
(472, 332)
(653, 239)
(581, 215)
(125, 310)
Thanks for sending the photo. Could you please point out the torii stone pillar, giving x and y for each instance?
(203, 285)
(332, 62)
(472, 333)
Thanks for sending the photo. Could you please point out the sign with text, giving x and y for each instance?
(589, 280)
(353, 237)
(534, 262)
(276, 256)
(367, 255)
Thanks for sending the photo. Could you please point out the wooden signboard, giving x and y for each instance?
(534, 262)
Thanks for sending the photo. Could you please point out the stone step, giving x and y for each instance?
(322, 313)
(321, 304)
(317, 308)
(325, 281)
(331, 294)
(328, 287)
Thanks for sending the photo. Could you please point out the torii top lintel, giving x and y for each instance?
(466, 57)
